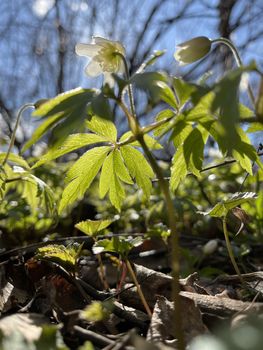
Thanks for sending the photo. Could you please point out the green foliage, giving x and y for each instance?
(97, 311)
(64, 113)
(64, 256)
(93, 227)
(81, 174)
(221, 209)
(119, 245)
(189, 155)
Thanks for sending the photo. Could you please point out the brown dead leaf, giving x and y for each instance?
(161, 329)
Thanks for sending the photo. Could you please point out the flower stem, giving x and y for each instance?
(13, 136)
(238, 60)
(230, 250)
(139, 290)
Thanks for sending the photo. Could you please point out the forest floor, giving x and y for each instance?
(43, 302)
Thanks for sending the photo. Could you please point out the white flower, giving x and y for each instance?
(192, 50)
(105, 57)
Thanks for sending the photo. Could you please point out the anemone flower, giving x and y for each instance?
(105, 58)
(192, 50)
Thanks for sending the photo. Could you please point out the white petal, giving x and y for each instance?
(108, 79)
(93, 69)
(89, 50)
(101, 41)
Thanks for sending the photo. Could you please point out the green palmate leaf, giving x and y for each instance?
(71, 143)
(64, 102)
(103, 127)
(150, 141)
(164, 128)
(180, 132)
(149, 81)
(118, 244)
(36, 192)
(64, 256)
(112, 173)
(139, 168)
(101, 107)
(201, 109)
(183, 90)
(179, 168)
(189, 156)
(164, 93)
(93, 227)
(245, 112)
(82, 173)
(68, 108)
(255, 127)
(221, 209)
(41, 130)
(15, 159)
(244, 152)
(226, 101)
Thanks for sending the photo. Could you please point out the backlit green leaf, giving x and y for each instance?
(93, 227)
(103, 127)
(139, 168)
(64, 102)
(226, 101)
(64, 256)
(255, 127)
(164, 93)
(68, 112)
(41, 130)
(81, 175)
(183, 90)
(164, 128)
(15, 159)
(101, 107)
(113, 171)
(178, 169)
(221, 209)
(71, 143)
(150, 141)
(117, 244)
(189, 156)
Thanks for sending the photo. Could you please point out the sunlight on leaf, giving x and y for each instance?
(103, 127)
(139, 168)
(97, 311)
(118, 244)
(81, 174)
(221, 209)
(72, 143)
(64, 256)
(93, 227)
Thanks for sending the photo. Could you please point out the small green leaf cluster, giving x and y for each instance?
(64, 256)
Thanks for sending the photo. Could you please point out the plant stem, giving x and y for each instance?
(230, 251)
(238, 60)
(139, 290)
(102, 273)
(13, 136)
(175, 243)
(137, 131)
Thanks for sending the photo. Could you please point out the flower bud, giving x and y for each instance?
(192, 50)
